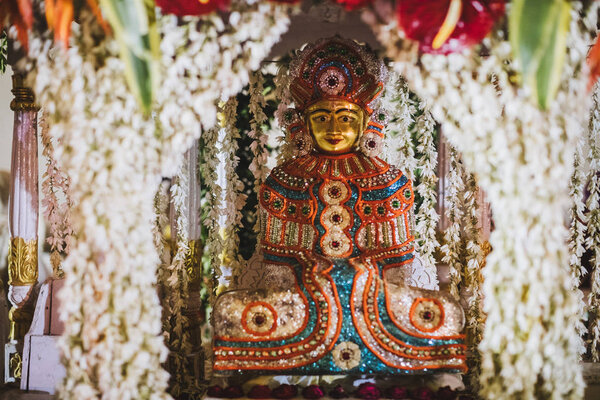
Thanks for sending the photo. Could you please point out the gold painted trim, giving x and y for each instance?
(24, 98)
(193, 262)
(22, 262)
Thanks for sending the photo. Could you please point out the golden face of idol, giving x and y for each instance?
(335, 125)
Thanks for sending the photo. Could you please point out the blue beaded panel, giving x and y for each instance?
(382, 194)
(300, 194)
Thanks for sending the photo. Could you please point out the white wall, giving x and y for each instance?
(6, 119)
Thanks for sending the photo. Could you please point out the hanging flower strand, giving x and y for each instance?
(452, 246)
(57, 213)
(258, 166)
(426, 216)
(232, 199)
(578, 230)
(472, 293)
(593, 217)
(397, 103)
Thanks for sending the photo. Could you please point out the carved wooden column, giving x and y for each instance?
(23, 224)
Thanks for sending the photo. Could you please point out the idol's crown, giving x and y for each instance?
(336, 68)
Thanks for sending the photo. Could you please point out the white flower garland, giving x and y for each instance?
(400, 110)
(258, 166)
(472, 293)
(426, 216)
(593, 227)
(523, 158)
(56, 212)
(233, 197)
(210, 57)
(213, 247)
(178, 335)
(115, 157)
(578, 229)
(451, 249)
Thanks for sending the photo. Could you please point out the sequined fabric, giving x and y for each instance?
(332, 227)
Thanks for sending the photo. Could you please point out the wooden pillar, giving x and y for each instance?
(193, 309)
(23, 225)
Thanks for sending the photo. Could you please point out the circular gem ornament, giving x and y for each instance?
(336, 216)
(427, 314)
(332, 81)
(371, 144)
(336, 244)
(259, 319)
(346, 355)
(335, 192)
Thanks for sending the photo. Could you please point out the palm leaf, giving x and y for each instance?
(134, 25)
(537, 32)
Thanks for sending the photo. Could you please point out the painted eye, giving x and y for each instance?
(345, 119)
(322, 119)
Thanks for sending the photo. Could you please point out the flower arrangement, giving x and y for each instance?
(523, 342)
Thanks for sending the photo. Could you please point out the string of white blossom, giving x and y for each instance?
(213, 246)
(523, 158)
(452, 248)
(426, 216)
(178, 334)
(593, 226)
(115, 349)
(578, 228)
(56, 212)
(233, 199)
(471, 293)
(258, 165)
(397, 104)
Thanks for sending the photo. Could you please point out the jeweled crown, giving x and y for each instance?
(336, 68)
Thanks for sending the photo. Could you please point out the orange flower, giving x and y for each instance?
(593, 61)
(20, 14)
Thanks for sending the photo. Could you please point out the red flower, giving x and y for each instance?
(368, 391)
(285, 391)
(260, 392)
(446, 26)
(396, 392)
(353, 4)
(215, 391)
(338, 392)
(191, 7)
(313, 392)
(233, 392)
(423, 393)
(593, 61)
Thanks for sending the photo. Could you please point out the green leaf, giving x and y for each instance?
(3, 52)
(537, 33)
(134, 25)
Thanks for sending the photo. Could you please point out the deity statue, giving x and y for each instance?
(336, 228)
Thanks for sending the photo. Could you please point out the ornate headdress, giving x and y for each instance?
(336, 68)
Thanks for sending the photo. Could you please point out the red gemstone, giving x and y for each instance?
(427, 315)
(371, 144)
(334, 192)
(346, 355)
(335, 244)
(336, 218)
(259, 319)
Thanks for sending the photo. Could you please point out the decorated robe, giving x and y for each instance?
(332, 228)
